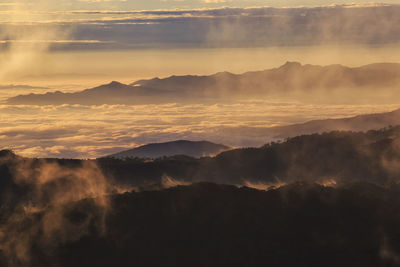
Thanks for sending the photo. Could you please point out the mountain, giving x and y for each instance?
(372, 157)
(338, 157)
(292, 80)
(112, 93)
(207, 224)
(302, 202)
(20, 86)
(180, 147)
(244, 136)
(291, 76)
(357, 123)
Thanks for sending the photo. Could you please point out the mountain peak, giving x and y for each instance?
(291, 65)
(115, 83)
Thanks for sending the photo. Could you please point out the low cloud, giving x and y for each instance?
(75, 131)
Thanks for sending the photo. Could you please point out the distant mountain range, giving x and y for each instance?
(20, 86)
(290, 79)
(181, 147)
(358, 123)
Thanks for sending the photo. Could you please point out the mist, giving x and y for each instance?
(43, 213)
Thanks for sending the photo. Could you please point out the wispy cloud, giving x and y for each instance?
(219, 27)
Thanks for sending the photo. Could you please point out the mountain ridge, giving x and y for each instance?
(286, 80)
(363, 122)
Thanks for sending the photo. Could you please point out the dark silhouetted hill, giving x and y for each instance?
(194, 149)
(372, 157)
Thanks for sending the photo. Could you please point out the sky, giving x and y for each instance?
(63, 5)
(62, 43)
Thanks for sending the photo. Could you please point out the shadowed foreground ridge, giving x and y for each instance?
(218, 225)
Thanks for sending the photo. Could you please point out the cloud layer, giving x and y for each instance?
(74, 131)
